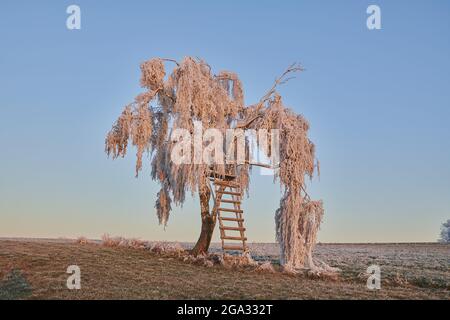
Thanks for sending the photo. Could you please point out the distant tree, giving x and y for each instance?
(192, 93)
(445, 232)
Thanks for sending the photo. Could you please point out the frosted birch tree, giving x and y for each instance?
(193, 93)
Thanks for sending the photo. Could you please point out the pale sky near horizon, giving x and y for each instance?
(378, 103)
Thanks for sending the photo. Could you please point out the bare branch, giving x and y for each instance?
(295, 67)
(247, 122)
(171, 60)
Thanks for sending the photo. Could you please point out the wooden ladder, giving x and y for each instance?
(229, 213)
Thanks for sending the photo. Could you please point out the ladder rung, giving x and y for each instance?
(234, 238)
(230, 193)
(221, 176)
(230, 201)
(232, 228)
(231, 219)
(233, 248)
(226, 183)
(231, 210)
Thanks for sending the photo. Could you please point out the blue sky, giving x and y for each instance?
(378, 103)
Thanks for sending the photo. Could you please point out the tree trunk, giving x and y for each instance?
(208, 224)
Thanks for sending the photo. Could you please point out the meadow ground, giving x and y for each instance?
(36, 269)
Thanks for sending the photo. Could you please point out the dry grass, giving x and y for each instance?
(36, 270)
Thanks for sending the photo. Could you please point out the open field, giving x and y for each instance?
(36, 269)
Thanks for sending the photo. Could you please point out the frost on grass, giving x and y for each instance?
(82, 240)
(265, 267)
(113, 242)
(193, 93)
(175, 250)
